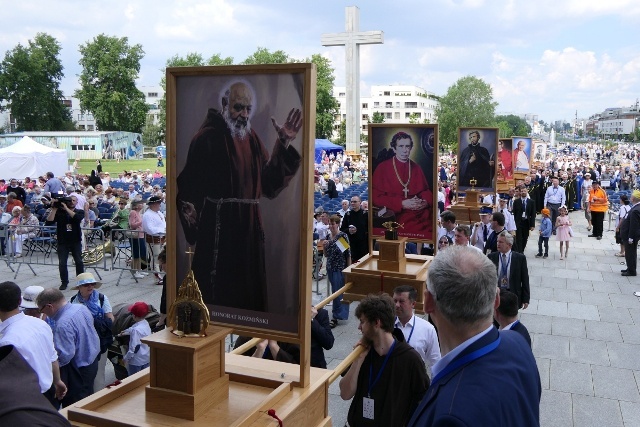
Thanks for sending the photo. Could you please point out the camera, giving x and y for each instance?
(58, 200)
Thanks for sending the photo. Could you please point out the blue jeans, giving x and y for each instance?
(340, 311)
(132, 369)
(63, 253)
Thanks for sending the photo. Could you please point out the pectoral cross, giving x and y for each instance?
(406, 192)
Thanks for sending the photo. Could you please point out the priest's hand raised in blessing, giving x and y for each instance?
(414, 204)
(289, 130)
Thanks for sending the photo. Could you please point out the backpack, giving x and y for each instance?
(103, 325)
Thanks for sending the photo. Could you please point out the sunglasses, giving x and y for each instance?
(41, 309)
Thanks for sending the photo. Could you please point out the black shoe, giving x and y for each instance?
(545, 256)
(629, 273)
(592, 235)
(599, 237)
(63, 287)
(624, 271)
(333, 323)
(554, 232)
(538, 255)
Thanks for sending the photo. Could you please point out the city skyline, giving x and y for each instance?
(545, 58)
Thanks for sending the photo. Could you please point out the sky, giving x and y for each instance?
(545, 57)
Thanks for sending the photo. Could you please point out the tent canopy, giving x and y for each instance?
(29, 158)
(328, 147)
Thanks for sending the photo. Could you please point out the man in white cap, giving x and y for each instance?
(34, 341)
(28, 304)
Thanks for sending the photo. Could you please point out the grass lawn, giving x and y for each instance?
(114, 168)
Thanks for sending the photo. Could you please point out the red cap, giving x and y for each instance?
(139, 309)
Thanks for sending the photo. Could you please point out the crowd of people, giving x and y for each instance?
(449, 368)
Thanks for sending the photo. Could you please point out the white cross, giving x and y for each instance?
(352, 38)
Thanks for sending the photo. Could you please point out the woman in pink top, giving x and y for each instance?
(138, 247)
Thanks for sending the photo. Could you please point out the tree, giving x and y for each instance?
(469, 102)
(514, 126)
(110, 68)
(152, 135)
(326, 104)
(192, 59)
(30, 82)
(413, 118)
(377, 117)
(263, 56)
(342, 134)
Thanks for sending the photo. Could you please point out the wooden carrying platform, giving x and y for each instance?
(387, 269)
(192, 382)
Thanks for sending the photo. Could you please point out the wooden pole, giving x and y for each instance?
(246, 346)
(334, 295)
(346, 363)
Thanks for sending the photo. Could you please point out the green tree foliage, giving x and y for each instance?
(30, 83)
(192, 59)
(152, 134)
(469, 102)
(414, 119)
(514, 126)
(377, 117)
(326, 104)
(342, 134)
(110, 68)
(263, 56)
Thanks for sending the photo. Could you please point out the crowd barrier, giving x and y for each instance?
(39, 247)
(127, 246)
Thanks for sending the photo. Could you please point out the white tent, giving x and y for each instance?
(29, 158)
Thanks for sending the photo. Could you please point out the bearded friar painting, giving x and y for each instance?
(227, 171)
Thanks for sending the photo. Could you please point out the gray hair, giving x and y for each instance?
(508, 237)
(51, 296)
(464, 292)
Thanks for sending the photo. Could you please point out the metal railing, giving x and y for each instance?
(127, 247)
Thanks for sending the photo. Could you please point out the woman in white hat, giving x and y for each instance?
(100, 307)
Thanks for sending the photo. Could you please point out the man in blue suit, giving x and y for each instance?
(486, 377)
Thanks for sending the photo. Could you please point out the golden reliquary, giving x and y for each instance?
(188, 315)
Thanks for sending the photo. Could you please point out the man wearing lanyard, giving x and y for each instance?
(507, 315)
(513, 273)
(553, 199)
(389, 378)
(480, 366)
(418, 333)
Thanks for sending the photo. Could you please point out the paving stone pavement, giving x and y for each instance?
(584, 322)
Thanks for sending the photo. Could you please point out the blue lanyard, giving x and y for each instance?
(466, 360)
(384, 363)
(412, 328)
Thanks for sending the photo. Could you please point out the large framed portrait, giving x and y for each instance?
(477, 149)
(504, 159)
(239, 141)
(522, 153)
(403, 186)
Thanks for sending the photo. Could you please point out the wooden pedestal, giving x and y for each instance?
(187, 374)
(391, 255)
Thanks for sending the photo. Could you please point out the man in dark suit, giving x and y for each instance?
(331, 189)
(507, 315)
(513, 273)
(497, 226)
(524, 213)
(472, 379)
(630, 234)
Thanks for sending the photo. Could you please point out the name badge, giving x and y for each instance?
(524, 215)
(367, 408)
(69, 228)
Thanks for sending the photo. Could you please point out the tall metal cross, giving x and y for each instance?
(351, 39)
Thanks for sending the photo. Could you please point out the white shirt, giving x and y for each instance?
(500, 266)
(139, 330)
(81, 200)
(33, 339)
(509, 220)
(480, 237)
(423, 339)
(522, 162)
(555, 195)
(322, 229)
(154, 223)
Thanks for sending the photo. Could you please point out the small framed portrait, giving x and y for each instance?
(504, 158)
(477, 149)
(239, 186)
(539, 151)
(521, 153)
(403, 186)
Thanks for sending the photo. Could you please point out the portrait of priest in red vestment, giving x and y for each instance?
(402, 180)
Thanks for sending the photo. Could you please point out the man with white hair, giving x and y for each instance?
(513, 273)
(480, 365)
(241, 172)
